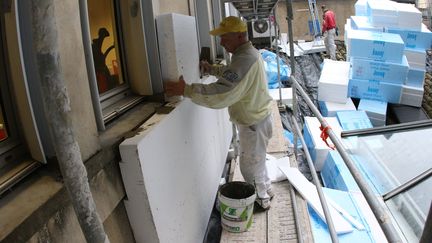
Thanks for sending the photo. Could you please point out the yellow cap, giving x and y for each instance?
(230, 24)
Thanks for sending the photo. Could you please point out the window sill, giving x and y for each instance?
(32, 202)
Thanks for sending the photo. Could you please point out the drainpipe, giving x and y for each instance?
(57, 105)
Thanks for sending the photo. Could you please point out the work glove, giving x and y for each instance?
(175, 88)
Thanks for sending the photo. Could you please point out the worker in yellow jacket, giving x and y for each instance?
(242, 87)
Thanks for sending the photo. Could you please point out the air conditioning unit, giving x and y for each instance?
(261, 28)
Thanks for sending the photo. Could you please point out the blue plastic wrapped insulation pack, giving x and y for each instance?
(271, 68)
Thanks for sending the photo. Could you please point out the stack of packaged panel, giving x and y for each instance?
(333, 88)
(376, 111)
(334, 172)
(384, 20)
(386, 45)
(318, 148)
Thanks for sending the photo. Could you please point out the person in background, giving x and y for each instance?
(242, 87)
(329, 31)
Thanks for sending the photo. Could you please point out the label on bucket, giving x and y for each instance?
(236, 219)
(236, 200)
(233, 214)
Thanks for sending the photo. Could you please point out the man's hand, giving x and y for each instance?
(174, 88)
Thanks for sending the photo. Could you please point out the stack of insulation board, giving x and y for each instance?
(318, 149)
(376, 58)
(330, 108)
(416, 43)
(335, 173)
(333, 87)
(333, 82)
(387, 76)
(417, 38)
(354, 204)
(376, 111)
(353, 120)
(385, 13)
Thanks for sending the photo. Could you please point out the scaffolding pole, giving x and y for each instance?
(379, 211)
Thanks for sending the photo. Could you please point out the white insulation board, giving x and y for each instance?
(172, 168)
(330, 108)
(286, 95)
(333, 82)
(172, 173)
(309, 192)
(178, 47)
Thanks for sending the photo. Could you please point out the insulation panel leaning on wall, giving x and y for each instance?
(171, 173)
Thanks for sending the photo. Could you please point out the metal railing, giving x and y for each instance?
(409, 184)
(381, 214)
(379, 211)
(317, 183)
(374, 202)
(321, 196)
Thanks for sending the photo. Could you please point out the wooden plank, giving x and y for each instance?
(256, 233)
(277, 143)
(281, 220)
(258, 230)
(302, 212)
(304, 220)
(277, 224)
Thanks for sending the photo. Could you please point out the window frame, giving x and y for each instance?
(16, 160)
(12, 146)
(111, 104)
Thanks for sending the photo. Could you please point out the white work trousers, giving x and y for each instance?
(253, 145)
(329, 42)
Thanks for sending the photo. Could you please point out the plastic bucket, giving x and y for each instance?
(236, 201)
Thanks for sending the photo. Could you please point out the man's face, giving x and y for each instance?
(230, 41)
